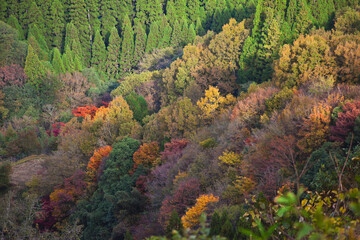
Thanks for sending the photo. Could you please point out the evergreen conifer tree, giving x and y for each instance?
(174, 224)
(12, 21)
(153, 38)
(171, 13)
(98, 52)
(113, 54)
(140, 42)
(34, 69)
(303, 20)
(184, 31)
(127, 48)
(92, 7)
(71, 35)
(141, 11)
(77, 51)
(199, 28)
(193, 10)
(180, 8)
(166, 37)
(154, 11)
(227, 230)
(56, 23)
(191, 34)
(108, 11)
(68, 61)
(215, 225)
(291, 12)
(77, 64)
(176, 35)
(33, 15)
(78, 17)
(57, 62)
(35, 31)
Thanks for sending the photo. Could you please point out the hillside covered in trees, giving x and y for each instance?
(180, 119)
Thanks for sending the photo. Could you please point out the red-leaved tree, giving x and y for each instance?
(345, 121)
(12, 75)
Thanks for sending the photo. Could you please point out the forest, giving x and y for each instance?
(179, 119)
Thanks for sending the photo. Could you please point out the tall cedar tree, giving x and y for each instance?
(191, 35)
(170, 13)
(193, 10)
(176, 35)
(78, 16)
(78, 51)
(140, 41)
(199, 28)
(68, 60)
(56, 24)
(20, 10)
(154, 10)
(13, 21)
(141, 11)
(127, 49)
(113, 54)
(180, 8)
(92, 7)
(39, 36)
(33, 15)
(166, 37)
(34, 69)
(98, 52)
(108, 11)
(71, 34)
(153, 38)
(41, 53)
(57, 62)
(184, 31)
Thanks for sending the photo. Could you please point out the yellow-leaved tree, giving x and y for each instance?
(192, 216)
(213, 103)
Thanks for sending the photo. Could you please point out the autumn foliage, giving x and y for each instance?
(345, 121)
(192, 216)
(95, 162)
(147, 155)
(315, 129)
(85, 111)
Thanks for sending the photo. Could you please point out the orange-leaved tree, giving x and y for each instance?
(315, 129)
(147, 155)
(192, 216)
(95, 161)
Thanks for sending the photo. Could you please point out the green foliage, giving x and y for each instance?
(127, 48)
(56, 24)
(12, 51)
(153, 38)
(132, 81)
(78, 16)
(98, 52)
(113, 54)
(13, 22)
(34, 69)
(137, 105)
(114, 186)
(208, 143)
(174, 224)
(140, 42)
(57, 62)
(5, 170)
